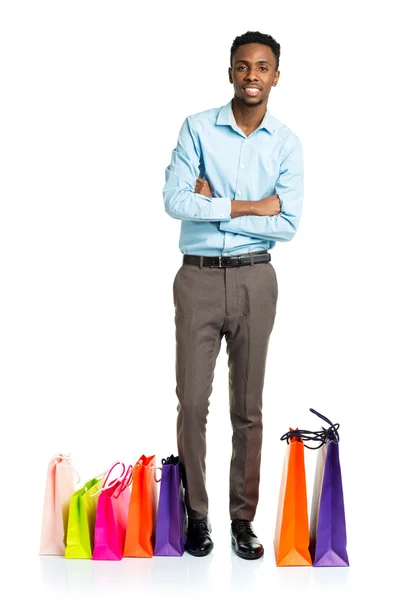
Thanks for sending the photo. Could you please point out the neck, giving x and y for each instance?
(246, 116)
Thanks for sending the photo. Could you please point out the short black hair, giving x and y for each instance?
(255, 37)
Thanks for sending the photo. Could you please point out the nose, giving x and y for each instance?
(252, 76)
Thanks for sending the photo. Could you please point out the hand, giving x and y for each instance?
(269, 206)
(202, 187)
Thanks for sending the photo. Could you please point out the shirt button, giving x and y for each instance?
(222, 214)
(241, 166)
(246, 141)
(238, 192)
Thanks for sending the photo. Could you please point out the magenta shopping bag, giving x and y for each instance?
(111, 518)
(171, 517)
(328, 538)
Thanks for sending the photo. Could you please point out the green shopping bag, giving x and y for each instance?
(81, 520)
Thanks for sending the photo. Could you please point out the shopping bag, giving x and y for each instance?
(140, 530)
(328, 528)
(291, 538)
(171, 518)
(59, 488)
(111, 519)
(81, 519)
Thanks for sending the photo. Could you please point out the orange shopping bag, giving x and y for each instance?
(140, 530)
(291, 539)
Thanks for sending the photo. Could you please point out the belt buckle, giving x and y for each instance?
(230, 259)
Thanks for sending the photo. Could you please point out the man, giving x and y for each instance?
(236, 183)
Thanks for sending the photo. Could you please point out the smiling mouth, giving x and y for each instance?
(251, 91)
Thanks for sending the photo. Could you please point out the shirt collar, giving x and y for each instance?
(226, 117)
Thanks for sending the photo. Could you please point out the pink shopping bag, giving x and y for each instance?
(111, 519)
(59, 488)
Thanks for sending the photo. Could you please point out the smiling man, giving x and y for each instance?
(236, 183)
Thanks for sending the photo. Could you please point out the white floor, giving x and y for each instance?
(220, 574)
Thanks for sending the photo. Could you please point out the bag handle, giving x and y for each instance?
(314, 436)
(332, 431)
(140, 463)
(128, 478)
(171, 460)
(157, 469)
(67, 464)
(175, 461)
(108, 473)
(304, 435)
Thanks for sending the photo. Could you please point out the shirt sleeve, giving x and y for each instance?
(290, 189)
(181, 202)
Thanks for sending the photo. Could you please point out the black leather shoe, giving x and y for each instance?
(198, 540)
(244, 540)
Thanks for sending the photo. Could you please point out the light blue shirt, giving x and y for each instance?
(238, 167)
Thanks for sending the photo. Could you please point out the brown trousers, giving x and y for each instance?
(240, 304)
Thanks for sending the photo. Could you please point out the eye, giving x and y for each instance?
(244, 67)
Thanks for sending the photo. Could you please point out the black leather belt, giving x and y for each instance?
(227, 261)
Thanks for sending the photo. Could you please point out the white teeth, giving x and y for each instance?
(252, 89)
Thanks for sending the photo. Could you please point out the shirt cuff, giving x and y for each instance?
(221, 208)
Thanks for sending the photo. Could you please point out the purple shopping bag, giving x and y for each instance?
(171, 518)
(328, 538)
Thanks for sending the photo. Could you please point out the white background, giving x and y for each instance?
(93, 96)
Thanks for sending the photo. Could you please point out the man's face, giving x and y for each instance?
(254, 65)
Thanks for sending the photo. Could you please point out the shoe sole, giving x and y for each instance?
(246, 556)
(199, 552)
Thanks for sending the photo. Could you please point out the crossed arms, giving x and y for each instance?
(187, 196)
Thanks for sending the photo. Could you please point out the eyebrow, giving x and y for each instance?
(258, 62)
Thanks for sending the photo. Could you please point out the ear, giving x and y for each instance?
(230, 75)
(276, 78)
